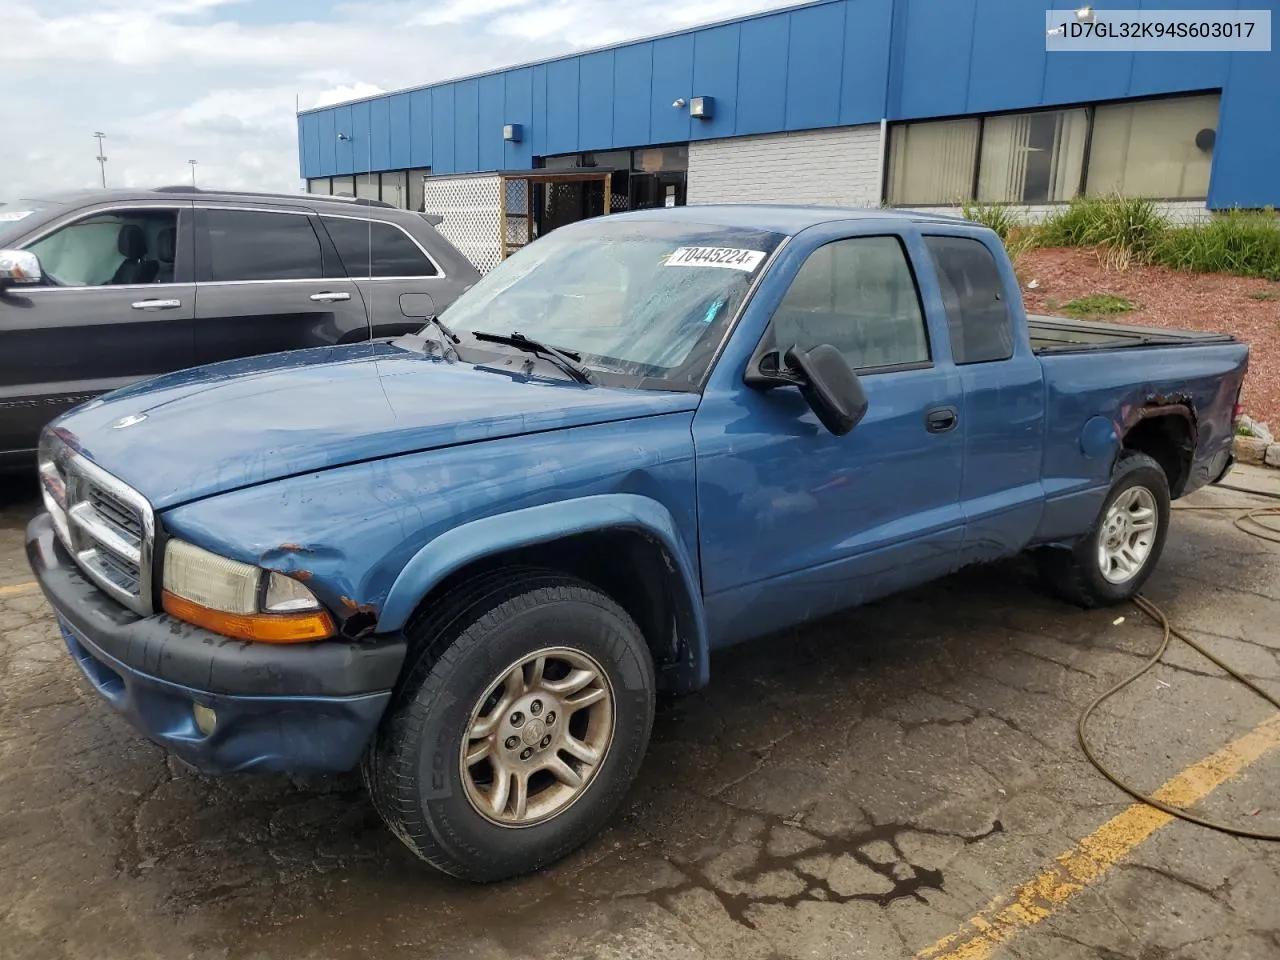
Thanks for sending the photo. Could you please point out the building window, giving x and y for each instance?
(416, 191)
(1032, 157)
(320, 185)
(933, 162)
(344, 186)
(395, 188)
(645, 178)
(1147, 148)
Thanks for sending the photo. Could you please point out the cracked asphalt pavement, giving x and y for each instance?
(857, 788)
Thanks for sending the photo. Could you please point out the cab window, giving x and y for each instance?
(859, 296)
(116, 248)
(978, 321)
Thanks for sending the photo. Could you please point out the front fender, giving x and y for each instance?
(477, 539)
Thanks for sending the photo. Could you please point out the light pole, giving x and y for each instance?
(193, 171)
(102, 158)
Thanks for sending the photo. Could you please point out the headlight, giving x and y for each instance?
(238, 599)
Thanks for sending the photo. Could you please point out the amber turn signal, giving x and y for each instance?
(258, 627)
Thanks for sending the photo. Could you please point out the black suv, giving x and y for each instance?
(98, 290)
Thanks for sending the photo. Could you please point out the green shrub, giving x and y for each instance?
(1126, 229)
(999, 218)
(1264, 295)
(1242, 242)
(1097, 305)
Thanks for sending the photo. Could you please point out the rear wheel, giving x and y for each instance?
(1112, 562)
(519, 728)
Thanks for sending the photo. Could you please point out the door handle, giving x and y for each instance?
(156, 304)
(329, 297)
(941, 419)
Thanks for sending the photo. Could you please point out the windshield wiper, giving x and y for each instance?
(566, 360)
(436, 322)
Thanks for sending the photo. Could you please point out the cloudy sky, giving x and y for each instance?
(217, 80)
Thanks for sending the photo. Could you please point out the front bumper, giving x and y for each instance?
(303, 707)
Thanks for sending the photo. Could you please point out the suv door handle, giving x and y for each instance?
(156, 304)
(329, 297)
(941, 419)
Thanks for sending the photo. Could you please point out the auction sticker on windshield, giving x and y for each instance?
(731, 257)
(12, 215)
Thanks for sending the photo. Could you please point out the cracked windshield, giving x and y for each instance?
(640, 299)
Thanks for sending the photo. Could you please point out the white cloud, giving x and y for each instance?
(218, 80)
(345, 92)
(458, 11)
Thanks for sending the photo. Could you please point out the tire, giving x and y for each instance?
(1081, 575)
(451, 814)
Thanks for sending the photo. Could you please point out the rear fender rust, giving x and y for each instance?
(1159, 405)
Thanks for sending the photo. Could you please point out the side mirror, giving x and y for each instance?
(19, 268)
(831, 388)
(826, 381)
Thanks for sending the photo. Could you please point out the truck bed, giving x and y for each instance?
(1064, 335)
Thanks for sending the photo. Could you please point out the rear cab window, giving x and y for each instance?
(979, 323)
(372, 248)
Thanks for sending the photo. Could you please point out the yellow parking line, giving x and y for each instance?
(1042, 897)
(19, 588)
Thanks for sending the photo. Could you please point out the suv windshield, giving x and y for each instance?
(643, 302)
(14, 214)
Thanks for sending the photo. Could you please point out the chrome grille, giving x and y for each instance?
(106, 526)
(115, 511)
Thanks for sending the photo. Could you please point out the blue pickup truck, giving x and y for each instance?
(466, 560)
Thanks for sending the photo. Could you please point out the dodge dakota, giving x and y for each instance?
(465, 559)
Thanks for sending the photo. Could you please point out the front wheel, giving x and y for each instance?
(519, 728)
(1111, 563)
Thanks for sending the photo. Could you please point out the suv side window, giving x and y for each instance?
(859, 296)
(978, 320)
(362, 243)
(109, 249)
(255, 245)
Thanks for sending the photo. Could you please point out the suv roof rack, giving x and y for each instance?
(361, 201)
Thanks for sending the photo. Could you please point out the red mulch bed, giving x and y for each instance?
(1170, 298)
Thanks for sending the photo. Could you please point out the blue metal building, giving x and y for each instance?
(915, 102)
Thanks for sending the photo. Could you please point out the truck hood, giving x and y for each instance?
(218, 428)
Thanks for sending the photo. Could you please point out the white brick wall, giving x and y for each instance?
(840, 167)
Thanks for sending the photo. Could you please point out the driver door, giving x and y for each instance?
(795, 522)
(116, 306)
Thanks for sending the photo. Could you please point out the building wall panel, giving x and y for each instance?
(829, 64)
(595, 101)
(491, 149)
(672, 80)
(838, 166)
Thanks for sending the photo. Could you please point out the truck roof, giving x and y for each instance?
(781, 218)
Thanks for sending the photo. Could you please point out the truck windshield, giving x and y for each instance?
(642, 302)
